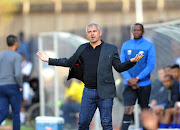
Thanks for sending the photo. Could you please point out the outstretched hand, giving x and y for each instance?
(136, 58)
(43, 56)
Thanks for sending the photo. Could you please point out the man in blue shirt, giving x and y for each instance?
(137, 79)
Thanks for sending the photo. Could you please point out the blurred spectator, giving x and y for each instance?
(165, 111)
(71, 105)
(10, 82)
(33, 48)
(34, 83)
(158, 89)
(26, 68)
(23, 46)
(168, 70)
(175, 72)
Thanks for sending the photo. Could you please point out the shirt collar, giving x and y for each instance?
(139, 40)
(102, 42)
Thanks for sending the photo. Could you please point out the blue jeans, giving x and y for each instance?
(10, 94)
(90, 101)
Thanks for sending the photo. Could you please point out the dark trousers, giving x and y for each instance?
(10, 94)
(89, 104)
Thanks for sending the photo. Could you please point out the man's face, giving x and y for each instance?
(93, 34)
(167, 82)
(137, 31)
(168, 70)
(175, 73)
(161, 74)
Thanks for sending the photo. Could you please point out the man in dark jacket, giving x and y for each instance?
(92, 63)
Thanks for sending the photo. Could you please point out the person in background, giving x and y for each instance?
(137, 79)
(34, 83)
(175, 72)
(26, 68)
(158, 94)
(23, 46)
(92, 64)
(166, 110)
(11, 82)
(168, 70)
(71, 105)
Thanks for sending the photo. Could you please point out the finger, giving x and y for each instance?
(139, 57)
(38, 53)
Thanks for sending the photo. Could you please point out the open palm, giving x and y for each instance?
(136, 58)
(43, 56)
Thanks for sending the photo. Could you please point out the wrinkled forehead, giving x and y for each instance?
(92, 28)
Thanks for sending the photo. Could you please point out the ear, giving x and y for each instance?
(100, 32)
(16, 44)
(86, 35)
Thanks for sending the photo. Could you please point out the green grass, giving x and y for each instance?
(23, 127)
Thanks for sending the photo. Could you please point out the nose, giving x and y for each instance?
(135, 31)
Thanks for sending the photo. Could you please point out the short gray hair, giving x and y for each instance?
(92, 24)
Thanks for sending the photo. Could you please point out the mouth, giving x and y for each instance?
(136, 36)
(93, 37)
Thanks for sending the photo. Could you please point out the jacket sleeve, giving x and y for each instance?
(125, 74)
(150, 63)
(63, 61)
(120, 67)
(17, 68)
(174, 95)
